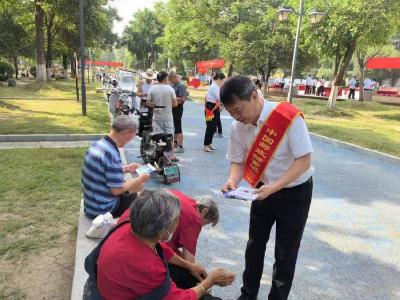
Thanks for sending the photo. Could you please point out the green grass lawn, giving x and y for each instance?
(39, 205)
(51, 109)
(368, 124)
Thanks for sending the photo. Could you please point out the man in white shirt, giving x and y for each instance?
(284, 190)
(367, 84)
(352, 86)
(309, 84)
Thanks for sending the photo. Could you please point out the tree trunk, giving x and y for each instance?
(49, 56)
(340, 73)
(72, 60)
(261, 70)
(40, 57)
(230, 70)
(65, 64)
(361, 73)
(15, 61)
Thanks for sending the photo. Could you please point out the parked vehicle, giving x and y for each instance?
(156, 148)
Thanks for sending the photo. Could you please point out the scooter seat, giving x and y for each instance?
(158, 136)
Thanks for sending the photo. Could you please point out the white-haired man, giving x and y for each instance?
(103, 186)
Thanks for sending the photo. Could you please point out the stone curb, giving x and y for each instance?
(50, 137)
(359, 149)
(84, 245)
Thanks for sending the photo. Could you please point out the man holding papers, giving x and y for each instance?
(270, 148)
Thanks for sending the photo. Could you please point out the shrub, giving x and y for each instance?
(6, 70)
(11, 82)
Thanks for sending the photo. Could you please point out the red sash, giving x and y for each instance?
(268, 140)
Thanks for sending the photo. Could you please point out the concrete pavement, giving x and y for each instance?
(351, 244)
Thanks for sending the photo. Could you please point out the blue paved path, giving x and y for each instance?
(351, 245)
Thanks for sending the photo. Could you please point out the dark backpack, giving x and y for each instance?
(91, 292)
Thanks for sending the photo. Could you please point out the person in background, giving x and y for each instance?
(320, 86)
(132, 261)
(212, 107)
(162, 99)
(314, 85)
(352, 87)
(143, 86)
(309, 84)
(367, 84)
(177, 111)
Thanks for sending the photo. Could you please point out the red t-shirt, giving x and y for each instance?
(189, 227)
(128, 269)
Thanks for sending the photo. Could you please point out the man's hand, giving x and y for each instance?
(197, 271)
(131, 167)
(228, 186)
(137, 184)
(264, 191)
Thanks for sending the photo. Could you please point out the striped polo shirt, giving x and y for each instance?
(102, 170)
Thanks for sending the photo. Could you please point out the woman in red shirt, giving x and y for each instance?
(194, 215)
(129, 266)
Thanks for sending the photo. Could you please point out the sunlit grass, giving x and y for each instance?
(56, 111)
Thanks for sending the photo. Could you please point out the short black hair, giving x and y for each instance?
(219, 75)
(161, 76)
(237, 88)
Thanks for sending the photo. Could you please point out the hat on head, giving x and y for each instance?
(149, 74)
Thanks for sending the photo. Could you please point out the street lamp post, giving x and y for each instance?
(283, 15)
(82, 39)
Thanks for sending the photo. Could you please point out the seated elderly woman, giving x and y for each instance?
(130, 263)
(194, 215)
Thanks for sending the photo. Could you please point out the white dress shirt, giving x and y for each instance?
(294, 144)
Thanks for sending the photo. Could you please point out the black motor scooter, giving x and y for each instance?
(156, 148)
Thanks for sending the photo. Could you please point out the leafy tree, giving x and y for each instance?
(15, 37)
(262, 42)
(349, 24)
(141, 35)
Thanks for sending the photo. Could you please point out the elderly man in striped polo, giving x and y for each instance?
(103, 185)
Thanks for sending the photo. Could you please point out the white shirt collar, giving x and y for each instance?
(264, 113)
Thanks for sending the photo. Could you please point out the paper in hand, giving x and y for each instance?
(147, 169)
(242, 193)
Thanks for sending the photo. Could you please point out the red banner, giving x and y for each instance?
(383, 63)
(210, 64)
(104, 63)
(268, 140)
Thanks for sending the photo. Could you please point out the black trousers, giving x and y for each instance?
(217, 116)
(182, 277)
(352, 93)
(185, 280)
(177, 113)
(211, 126)
(288, 208)
(124, 202)
(320, 91)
